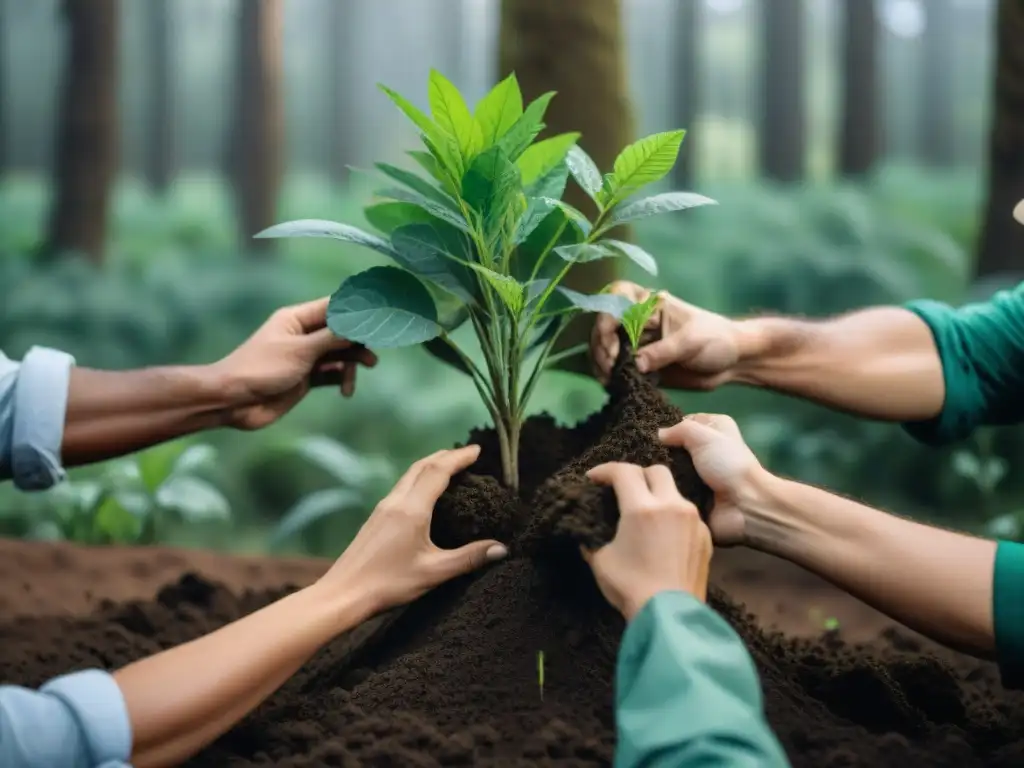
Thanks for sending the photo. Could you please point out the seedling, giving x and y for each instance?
(485, 238)
(540, 673)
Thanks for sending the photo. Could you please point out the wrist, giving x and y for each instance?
(770, 523)
(753, 340)
(341, 606)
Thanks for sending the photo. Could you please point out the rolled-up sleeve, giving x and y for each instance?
(74, 721)
(33, 404)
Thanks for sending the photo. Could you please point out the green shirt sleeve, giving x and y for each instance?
(687, 693)
(1008, 612)
(982, 350)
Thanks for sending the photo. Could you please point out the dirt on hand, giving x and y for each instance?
(452, 680)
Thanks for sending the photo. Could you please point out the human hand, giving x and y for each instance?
(661, 543)
(276, 367)
(694, 348)
(392, 559)
(725, 462)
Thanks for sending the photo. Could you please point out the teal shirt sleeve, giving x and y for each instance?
(74, 721)
(981, 346)
(33, 404)
(687, 693)
(1008, 612)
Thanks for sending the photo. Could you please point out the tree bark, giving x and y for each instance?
(341, 37)
(1001, 249)
(860, 128)
(783, 134)
(577, 49)
(256, 142)
(87, 133)
(686, 76)
(160, 155)
(936, 127)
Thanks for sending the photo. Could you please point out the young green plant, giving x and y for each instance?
(482, 237)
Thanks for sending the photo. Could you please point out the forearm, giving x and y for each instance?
(112, 413)
(182, 699)
(880, 363)
(937, 582)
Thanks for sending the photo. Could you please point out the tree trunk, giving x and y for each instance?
(160, 156)
(936, 127)
(783, 133)
(577, 49)
(341, 37)
(256, 141)
(686, 75)
(859, 132)
(87, 133)
(1001, 248)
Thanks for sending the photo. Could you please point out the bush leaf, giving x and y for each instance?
(521, 135)
(551, 184)
(585, 171)
(417, 184)
(433, 208)
(635, 318)
(499, 110)
(308, 510)
(323, 228)
(452, 115)
(563, 299)
(634, 253)
(389, 216)
(646, 161)
(655, 205)
(490, 186)
(511, 291)
(427, 253)
(383, 307)
(544, 156)
(194, 500)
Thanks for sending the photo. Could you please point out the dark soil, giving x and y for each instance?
(452, 680)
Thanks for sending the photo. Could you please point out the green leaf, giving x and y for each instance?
(338, 460)
(584, 252)
(440, 349)
(427, 126)
(564, 299)
(511, 291)
(537, 210)
(332, 229)
(634, 253)
(194, 458)
(491, 186)
(499, 110)
(433, 208)
(526, 128)
(387, 217)
(194, 500)
(635, 318)
(545, 333)
(544, 156)
(585, 171)
(115, 523)
(533, 246)
(666, 202)
(645, 162)
(428, 163)
(425, 252)
(312, 508)
(576, 216)
(452, 115)
(417, 184)
(383, 307)
(551, 184)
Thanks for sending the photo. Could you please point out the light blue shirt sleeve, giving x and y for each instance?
(74, 721)
(33, 404)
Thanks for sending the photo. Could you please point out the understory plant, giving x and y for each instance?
(482, 236)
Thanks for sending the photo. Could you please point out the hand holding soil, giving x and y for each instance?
(392, 557)
(725, 463)
(661, 543)
(693, 348)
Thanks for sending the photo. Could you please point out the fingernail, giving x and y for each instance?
(661, 433)
(496, 552)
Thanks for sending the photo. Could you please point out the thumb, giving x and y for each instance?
(689, 434)
(664, 352)
(471, 557)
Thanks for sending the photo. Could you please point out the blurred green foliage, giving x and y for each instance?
(176, 289)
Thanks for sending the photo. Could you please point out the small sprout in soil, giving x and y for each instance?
(540, 673)
(635, 318)
(831, 624)
(482, 238)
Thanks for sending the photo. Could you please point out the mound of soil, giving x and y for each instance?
(452, 679)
